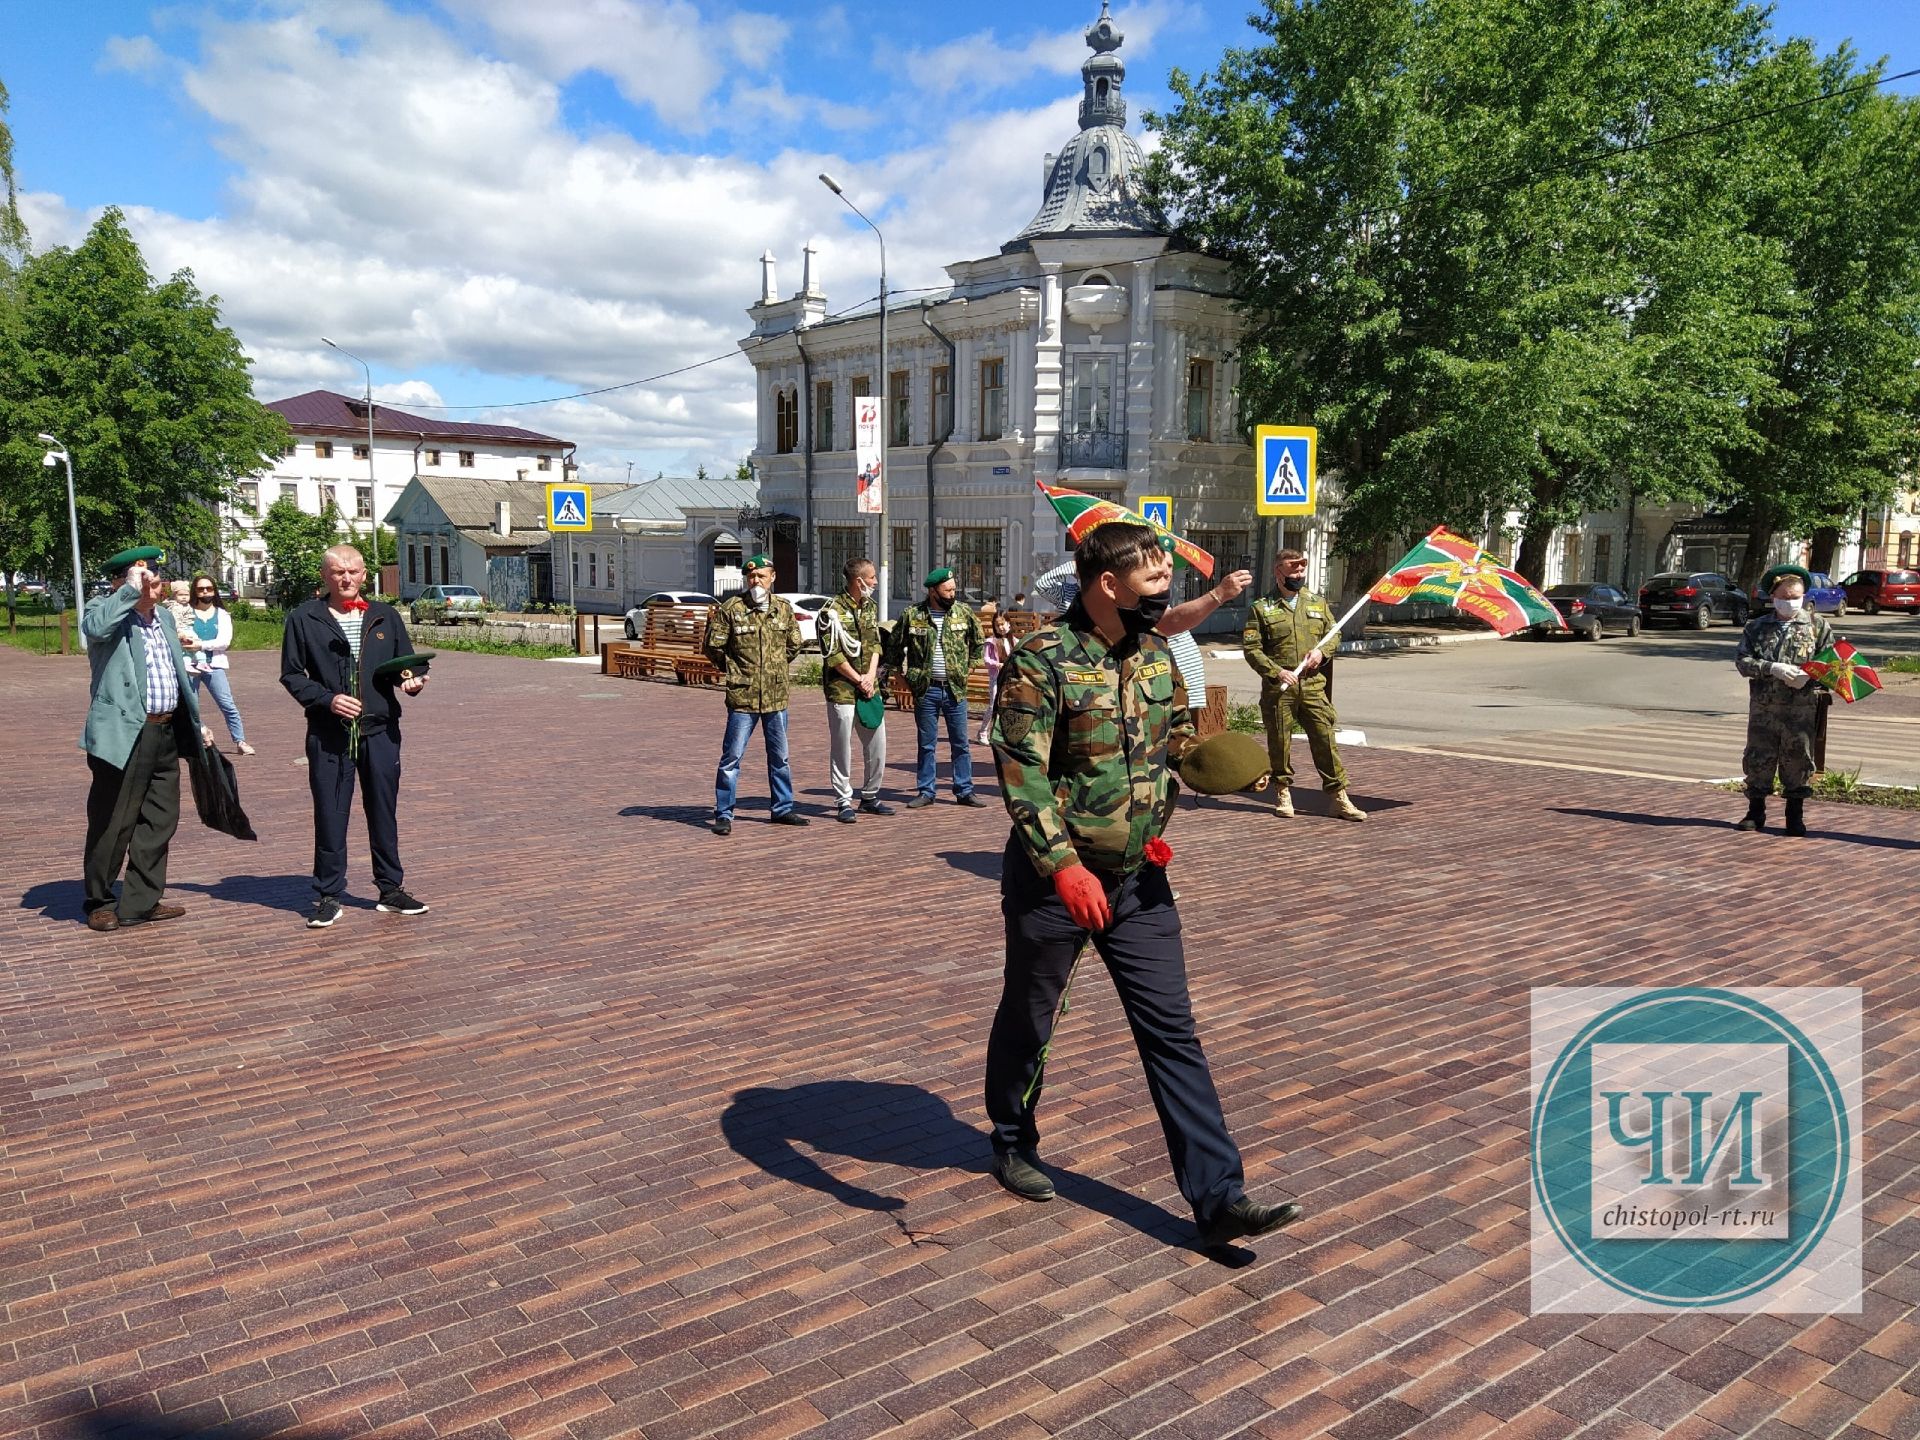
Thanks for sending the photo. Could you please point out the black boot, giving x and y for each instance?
(1756, 816)
(1796, 817)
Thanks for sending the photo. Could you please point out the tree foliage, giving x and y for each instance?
(13, 230)
(143, 384)
(1506, 255)
(295, 541)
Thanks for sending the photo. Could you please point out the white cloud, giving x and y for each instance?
(981, 62)
(136, 55)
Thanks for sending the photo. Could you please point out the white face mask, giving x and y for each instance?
(1786, 607)
(757, 594)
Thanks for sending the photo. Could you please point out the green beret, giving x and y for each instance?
(1785, 572)
(938, 577)
(762, 561)
(1224, 763)
(126, 559)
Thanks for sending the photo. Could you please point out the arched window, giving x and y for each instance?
(1096, 277)
(1100, 90)
(1097, 165)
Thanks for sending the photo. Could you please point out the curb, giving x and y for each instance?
(1382, 644)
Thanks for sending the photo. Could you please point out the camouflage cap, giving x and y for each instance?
(1224, 763)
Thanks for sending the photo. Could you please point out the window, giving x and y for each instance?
(839, 544)
(576, 567)
(940, 416)
(466, 459)
(1199, 399)
(328, 500)
(823, 415)
(974, 557)
(1231, 550)
(323, 449)
(413, 564)
(993, 398)
(290, 491)
(360, 452)
(433, 457)
(1093, 394)
(293, 448)
(446, 570)
(363, 502)
(612, 583)
(546, 462)
(247, 496)
(898, 396)
(786, 421)
(1602, 558)
(1906, 548)
(427, 552)
(593, 569)
(862, 385)
(904, 576)
(1570, 556)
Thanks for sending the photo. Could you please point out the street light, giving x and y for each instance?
(373, 485)
(886, 418)
(57, 454)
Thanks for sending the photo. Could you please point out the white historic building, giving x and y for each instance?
(1093, 351)
(328, 464)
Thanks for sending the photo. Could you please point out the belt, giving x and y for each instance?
(160, 719)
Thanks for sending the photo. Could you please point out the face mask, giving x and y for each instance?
(1145, 613)
(758, 595)
(1295, 582)
(1786, 608)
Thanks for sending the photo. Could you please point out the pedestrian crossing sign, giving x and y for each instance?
(1158, 509)
(1286, 481)
(569, 507)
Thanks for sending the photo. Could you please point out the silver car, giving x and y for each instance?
(462, 602)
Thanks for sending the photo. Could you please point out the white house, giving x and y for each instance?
(674, 532)
(329, 464)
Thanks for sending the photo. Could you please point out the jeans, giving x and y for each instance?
(773, 729)
(216, 682)
(927, 712)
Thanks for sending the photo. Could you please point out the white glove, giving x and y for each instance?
(1787, 674)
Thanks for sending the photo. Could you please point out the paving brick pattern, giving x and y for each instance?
(645, 1133)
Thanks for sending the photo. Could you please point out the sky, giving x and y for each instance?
(502, 201)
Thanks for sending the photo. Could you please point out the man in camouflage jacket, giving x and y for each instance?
(1783, 705)
(753, 638)
(1092, 712)
(850, 641)
(934, 647)
(1282, 643)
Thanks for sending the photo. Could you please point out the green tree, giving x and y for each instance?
(13, 230)
(149, 391)
(295, 542)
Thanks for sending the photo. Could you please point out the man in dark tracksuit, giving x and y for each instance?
(327, 660)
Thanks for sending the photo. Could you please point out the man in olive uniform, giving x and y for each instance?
(1091, 712)
(753, 638)
(936, 644)
(1282, 643)
(1783, 705)
(141, 722)
(850, 640)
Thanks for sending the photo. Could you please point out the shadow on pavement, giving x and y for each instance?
(1624, 817)
(292, 893)
(699, 816)
(57, 900)
(983, 863)
(120, 1422)
(881, 1123)
(1310, 801)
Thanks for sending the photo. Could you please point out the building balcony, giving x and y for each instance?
(1094, 450)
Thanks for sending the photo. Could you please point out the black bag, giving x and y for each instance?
(216, 794)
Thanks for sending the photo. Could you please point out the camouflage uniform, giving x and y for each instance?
(1277, 637)
(1084, 735)
(962, 643)
(1780, 719)
(753, 648)
(860, 625)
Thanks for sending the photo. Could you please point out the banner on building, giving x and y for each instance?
(869, 460)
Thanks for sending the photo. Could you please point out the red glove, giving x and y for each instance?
(1084, 896)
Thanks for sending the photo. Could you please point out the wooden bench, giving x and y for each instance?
(671, 647)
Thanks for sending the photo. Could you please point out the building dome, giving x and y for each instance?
(1093, 186)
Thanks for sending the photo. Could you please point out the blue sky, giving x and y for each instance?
(500, 199)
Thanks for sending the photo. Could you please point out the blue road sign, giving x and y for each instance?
(1286, 479)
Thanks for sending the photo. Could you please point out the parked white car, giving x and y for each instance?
(463, 603)
(806, 611)
(687, 599)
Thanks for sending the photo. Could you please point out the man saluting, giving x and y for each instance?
(329, 659)
(1090, 712)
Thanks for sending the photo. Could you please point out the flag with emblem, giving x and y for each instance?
(1840, 668)
(1081, 512)
(1447, 569)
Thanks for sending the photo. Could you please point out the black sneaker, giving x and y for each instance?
(970, 800)
(791, 817)
(847, 816)
(1020, 1175)
(1245, 1218)
(723, 827)
(398, 902)
(919, 802)
(875, 807)
(325, 911)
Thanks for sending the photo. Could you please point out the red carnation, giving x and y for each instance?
(1159, 852)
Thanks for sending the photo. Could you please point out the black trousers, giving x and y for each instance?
(331, 776)
(132, 814)
(1142, 952)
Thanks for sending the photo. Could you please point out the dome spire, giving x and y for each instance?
(1103, 75)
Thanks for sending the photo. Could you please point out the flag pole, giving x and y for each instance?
(1340, 625)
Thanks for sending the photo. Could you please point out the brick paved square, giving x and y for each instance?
(645, 1133)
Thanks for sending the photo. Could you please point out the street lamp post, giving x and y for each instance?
(373, 484)
(56, 452)
(886, 417)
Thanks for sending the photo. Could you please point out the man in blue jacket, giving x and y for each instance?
(141, 720)
(328, 657)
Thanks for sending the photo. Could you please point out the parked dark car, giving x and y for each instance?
(1877, 590)
(1592, 608)
(1824, 596)
(1694, 598)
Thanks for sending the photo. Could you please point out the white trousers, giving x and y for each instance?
(842, 731)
